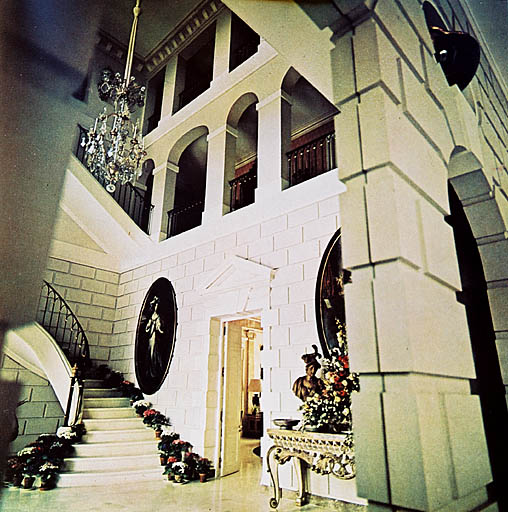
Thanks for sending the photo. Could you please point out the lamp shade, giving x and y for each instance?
(255, 386)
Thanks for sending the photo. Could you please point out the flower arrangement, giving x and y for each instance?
(203, 466)
(330, 409)
(48, 473)
(165, 445)
(140, 406)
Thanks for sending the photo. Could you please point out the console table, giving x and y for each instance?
(322, 453)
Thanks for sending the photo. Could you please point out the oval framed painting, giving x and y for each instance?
(330, 305)
(155, 336)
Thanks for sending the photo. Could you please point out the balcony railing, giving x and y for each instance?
(184, 218)
(311, 159)
(127, 196)
(243, 189)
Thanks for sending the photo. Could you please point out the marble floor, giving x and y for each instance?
(238, 492)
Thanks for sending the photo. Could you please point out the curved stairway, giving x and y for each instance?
(117, 447)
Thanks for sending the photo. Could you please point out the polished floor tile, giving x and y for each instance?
(239, 492)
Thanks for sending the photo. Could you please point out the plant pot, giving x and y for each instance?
(158, 433)
(202, 477)
(17, 480)
(163, 459)
(48, 484)
(28, 482)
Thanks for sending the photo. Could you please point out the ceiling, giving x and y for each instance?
(158, 18)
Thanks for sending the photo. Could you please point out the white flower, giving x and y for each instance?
(142, 403)
(66, 433)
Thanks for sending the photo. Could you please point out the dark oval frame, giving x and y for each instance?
(168, 310)
(325, 328)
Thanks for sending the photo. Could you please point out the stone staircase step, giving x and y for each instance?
(108, 436)
(113, 424)
(105, 402)
(117, 463)
(109, 413)
(81, 479)
(114, 449)
(94, 383)
(102, 393)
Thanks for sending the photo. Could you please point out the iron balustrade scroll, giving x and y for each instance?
(184, 218)
(130, 199)
(311, 159)
(55, 315)
(242, 189)
(325, 454)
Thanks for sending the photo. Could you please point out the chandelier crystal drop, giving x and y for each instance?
(114, 147)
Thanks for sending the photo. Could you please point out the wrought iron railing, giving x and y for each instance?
(127, 196)
(184, 218)
(243, 188)
(311, 159)
(55, 315)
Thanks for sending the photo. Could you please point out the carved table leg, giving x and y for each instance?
(301, 498)
(274, 473)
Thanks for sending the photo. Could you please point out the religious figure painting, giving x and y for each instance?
(330, 306)
(155, 336)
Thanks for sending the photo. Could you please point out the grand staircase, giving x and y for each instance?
(117, 446)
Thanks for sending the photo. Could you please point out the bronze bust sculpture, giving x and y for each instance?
(309, 384)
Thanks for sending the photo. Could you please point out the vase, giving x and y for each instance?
(202, 477)
(28, 482)
(163, 459)
(171, 476)
(158, 433)
(178, 479)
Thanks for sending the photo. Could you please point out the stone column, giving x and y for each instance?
(168, 96)
(222, 44)
(163, 196)
(274, 138)
(220, 168)
(419, 436)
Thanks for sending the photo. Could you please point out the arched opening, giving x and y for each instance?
(488, 384)
(240, 173)
(311, 145)
(186, 183)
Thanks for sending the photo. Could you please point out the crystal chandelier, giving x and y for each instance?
(114, 147)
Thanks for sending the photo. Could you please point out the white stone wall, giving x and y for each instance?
(42, 413)
(91, 294)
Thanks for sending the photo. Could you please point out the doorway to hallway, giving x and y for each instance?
(240, 378)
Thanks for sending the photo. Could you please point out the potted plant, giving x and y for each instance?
(181, 471)
(156, 420)
(203, 467)
(165, 445)
(14, 471)
(48, 473)
(140, 406)
(30, 458)
(169, 468)
(182, 448)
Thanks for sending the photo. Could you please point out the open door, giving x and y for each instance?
(232, 398)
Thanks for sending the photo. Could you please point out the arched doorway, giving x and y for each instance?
(488, 384)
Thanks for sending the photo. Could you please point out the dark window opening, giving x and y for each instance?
(154, 101)
(195, 69)
(244, 42)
